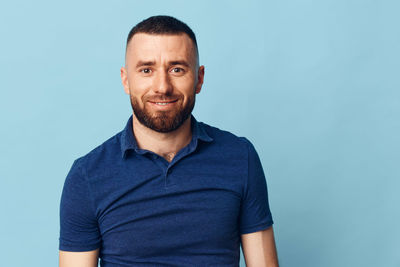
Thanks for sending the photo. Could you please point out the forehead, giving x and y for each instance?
(156, 47)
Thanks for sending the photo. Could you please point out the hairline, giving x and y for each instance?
(169, 34)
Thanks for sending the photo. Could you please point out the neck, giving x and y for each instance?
(163, 144)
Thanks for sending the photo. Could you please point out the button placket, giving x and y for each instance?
(166, 174)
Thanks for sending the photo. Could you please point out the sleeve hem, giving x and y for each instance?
(78, 248)
(256, 228)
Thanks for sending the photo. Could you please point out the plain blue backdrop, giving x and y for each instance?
(313, 84)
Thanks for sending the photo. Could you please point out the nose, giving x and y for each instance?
(162, 83)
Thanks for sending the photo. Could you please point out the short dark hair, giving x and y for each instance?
(162, 25)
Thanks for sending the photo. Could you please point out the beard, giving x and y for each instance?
(163, 121)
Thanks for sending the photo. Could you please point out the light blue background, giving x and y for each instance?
(313, 84)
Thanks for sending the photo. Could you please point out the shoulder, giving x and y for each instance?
(225, 139)
(98, 157)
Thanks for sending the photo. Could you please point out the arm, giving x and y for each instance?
(80, 238)
(259, 249)
(79, 259)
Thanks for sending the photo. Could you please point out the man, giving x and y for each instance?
(167, 190)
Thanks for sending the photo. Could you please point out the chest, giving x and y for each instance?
(150, 211)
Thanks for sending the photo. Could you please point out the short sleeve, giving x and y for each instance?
(78, 224)
(255, 214)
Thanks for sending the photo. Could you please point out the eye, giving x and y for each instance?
(145, 71)
(177, 70)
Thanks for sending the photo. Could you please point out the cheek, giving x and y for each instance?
(139, 86)
(185, 85)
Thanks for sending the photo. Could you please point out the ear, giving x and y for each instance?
(200, 79)
(124, 80)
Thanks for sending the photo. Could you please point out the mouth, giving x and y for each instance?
(163, 103)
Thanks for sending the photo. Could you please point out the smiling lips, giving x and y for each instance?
(163, 102)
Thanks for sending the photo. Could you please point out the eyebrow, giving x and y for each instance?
(145, 63)
(142, 63)
(179, 62)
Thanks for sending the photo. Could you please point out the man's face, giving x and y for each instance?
(162, 78)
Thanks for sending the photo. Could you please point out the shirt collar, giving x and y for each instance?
(128, 141)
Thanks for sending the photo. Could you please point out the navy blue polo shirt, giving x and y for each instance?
(142, 210)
